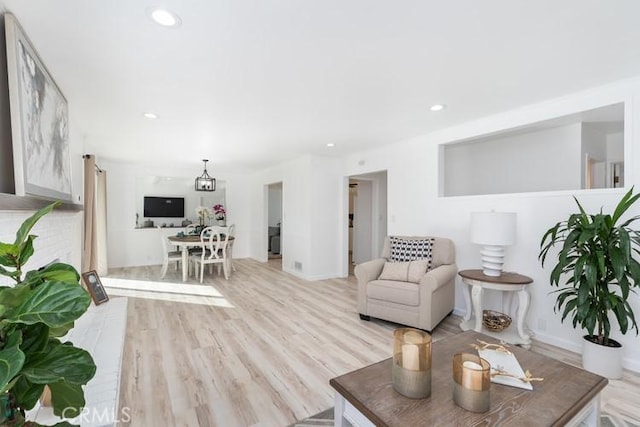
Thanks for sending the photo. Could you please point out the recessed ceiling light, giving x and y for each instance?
(150, 116)
(165, 17)
(331, 144)
(437, 107)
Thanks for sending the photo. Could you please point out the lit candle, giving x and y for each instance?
(411, 357)
(414, 337)
(471, 375)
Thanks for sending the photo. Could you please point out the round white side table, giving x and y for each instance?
(477, 282)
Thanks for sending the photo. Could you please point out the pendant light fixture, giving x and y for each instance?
(204, 182)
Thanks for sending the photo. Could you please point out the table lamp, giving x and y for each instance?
(493, 230)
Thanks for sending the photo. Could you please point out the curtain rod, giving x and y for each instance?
(88, 156)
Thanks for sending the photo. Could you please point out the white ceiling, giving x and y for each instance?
(250, 83)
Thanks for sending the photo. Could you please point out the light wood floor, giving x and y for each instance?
(260, 348)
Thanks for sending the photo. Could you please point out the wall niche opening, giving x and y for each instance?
(584, 150)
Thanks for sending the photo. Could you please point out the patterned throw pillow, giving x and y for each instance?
(403, 250)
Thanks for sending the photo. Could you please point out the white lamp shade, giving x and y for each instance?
(493, 228)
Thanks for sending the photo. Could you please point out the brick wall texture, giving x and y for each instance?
(59, 237)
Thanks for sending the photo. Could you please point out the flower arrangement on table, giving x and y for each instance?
(219, 212)
(203, 214)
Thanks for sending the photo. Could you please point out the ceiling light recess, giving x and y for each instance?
(331, 144)
(437, 107)
(150, 116)
(164, 17)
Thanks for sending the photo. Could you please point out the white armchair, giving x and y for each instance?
(421, 303)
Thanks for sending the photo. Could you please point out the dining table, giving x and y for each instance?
(183, 243)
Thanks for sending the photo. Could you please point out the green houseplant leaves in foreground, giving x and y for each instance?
(595, 269)
(40, 306)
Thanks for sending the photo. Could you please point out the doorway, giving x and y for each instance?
(367, 217)
(274, 223)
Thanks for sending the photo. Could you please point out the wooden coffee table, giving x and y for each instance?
(567, 396)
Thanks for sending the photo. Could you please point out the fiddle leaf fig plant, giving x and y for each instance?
(39, 307)
(595, 269)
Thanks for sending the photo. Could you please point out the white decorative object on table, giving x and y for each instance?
(493, 230)
(505, 361)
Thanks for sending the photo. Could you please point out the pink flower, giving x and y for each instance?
(219, 211)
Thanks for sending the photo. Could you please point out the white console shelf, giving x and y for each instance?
(100, 331)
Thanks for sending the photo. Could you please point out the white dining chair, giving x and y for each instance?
(213, 241)
(168, 256)
(231, 231)
(191, 229)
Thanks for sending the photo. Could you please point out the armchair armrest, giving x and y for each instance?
(439, 276)
(437, 294)
(370, 270)
(365, 273)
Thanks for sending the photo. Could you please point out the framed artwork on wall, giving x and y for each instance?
(39, 121)
(94, 285)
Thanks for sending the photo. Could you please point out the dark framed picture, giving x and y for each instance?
(94, 285)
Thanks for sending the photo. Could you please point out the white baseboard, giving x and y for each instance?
(303, 276)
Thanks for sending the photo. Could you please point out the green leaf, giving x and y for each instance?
(57, 272)
(67, 399)
(12, 297)
(26, 250)
(583, 295)
(34, 338)
(11, 362)
(26, 393)
(624, 204)
(28, 224)
(12, 274)
(60, 362)
(621, 316)
(8, 254)
(569, 307)
(53, 303)
(61, 331)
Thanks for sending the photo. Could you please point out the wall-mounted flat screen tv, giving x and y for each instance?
(163, 207)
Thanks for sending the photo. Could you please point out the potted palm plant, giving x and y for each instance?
(595, 271)
(39, 307)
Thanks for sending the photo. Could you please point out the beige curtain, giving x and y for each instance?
(89, 259)
(95, 217)
(101, 223)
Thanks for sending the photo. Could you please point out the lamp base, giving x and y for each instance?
(492, 258)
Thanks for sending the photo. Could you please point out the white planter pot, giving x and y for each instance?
(602, 360)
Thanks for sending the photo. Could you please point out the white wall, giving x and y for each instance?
(128, 246)
(417, 208)
(515, 163)
(615, 147)
(168, 186)
(296, 180)
(327, 213)
(311, 213)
